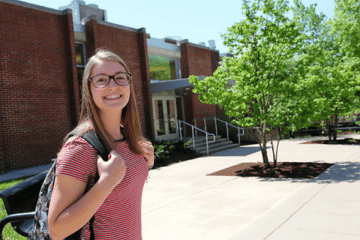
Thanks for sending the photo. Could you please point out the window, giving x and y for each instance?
(80, 54)
(163, 68)
(80, 62)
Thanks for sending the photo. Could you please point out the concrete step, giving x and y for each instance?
(217, 144)
(214, 150)
(203, 143)
(201, 139)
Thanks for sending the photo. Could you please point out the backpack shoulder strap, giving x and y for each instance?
(96, 143)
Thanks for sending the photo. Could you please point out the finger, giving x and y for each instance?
(113, 153)
(148, 153)
(99, 159)
(148, 157)
(148, 147)
(146, 143)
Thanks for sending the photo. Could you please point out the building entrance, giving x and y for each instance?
(165, 117)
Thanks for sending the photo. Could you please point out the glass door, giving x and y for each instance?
(165, 117)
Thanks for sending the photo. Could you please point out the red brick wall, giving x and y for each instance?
(131, 46)
(200, 62)
(37, 101)
(188, 110)
(197, 61)
(215, 58)
(145, 74)
(201, 110)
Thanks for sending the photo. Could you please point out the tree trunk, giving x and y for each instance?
(273, 150)
(329, 129)
(265, 156)
(263, 147)
(280, 131)
(335, 127)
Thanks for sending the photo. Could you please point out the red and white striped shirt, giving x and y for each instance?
(119, 217)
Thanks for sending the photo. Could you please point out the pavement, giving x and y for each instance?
(181, 202)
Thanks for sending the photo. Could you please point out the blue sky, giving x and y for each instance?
(196, 20)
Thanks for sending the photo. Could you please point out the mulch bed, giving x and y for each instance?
(347, 141)
(282, 170)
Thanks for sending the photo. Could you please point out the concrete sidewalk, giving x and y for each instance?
(181, 202)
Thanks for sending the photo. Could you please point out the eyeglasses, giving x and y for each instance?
(102, 80)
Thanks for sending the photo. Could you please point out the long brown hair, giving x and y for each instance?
(90, 118)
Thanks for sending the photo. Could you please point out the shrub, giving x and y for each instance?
(165, 149)
(169, 152)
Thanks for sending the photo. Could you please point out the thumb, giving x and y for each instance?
(112, 153)
(99, 158)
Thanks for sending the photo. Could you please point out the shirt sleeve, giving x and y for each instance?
(77, 159)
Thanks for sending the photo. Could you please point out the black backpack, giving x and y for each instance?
(41, 229)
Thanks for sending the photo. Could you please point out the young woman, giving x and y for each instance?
(108, 107)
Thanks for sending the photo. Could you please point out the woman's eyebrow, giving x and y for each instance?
(108, 74)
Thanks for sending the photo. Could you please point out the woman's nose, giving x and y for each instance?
(112, 82)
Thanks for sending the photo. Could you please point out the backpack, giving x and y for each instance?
(40, 228)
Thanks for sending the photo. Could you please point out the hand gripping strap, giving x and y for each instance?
(96, 143)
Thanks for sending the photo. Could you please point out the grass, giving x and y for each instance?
(9, 232)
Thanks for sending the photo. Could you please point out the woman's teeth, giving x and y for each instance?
(113, 96)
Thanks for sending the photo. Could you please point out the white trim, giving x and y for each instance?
(167, 135)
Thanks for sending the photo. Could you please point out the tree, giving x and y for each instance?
(265, 71)
(346, 27)
(329, 77)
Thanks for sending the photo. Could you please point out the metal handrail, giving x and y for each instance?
(192, 130)
(227, 129)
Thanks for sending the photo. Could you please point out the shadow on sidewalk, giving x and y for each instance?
(238, 152)
(337, 173)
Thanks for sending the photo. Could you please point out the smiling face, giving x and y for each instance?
(112, 97)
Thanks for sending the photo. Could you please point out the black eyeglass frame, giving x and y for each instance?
(111, 77)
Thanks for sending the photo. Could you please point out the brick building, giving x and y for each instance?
(42, 57)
